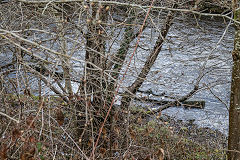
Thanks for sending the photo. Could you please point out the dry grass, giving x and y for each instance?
(47, 131)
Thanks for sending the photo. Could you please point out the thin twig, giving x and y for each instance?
(123, 77)
(5, 115)
(137, 6)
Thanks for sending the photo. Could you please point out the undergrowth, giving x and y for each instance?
(47, 129)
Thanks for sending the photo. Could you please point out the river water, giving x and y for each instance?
(189, 47)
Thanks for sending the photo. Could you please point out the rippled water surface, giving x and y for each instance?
(188, 49)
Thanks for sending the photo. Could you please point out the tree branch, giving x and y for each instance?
(153, 56)
(55, 90)
(134, 6)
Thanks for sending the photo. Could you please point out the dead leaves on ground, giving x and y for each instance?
(28, 153)
(28, 149)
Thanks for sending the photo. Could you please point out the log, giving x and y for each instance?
(199, 104)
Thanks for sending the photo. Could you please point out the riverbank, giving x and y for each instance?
(178, 139)
(204, 136)
(135, 134)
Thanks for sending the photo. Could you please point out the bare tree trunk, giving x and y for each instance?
(150, 61)
(95, 53)
(234, 111)
(95, 86)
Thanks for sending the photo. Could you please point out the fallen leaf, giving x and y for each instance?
(160, 154)
(16, 134)
(59, 116)
(30, 122)
(102, 151)
(117, 131)
(132, 134)
(32, 139)
(3, 152)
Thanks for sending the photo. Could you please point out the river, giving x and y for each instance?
(189, 46)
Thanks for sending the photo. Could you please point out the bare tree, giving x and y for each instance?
(83, 52)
